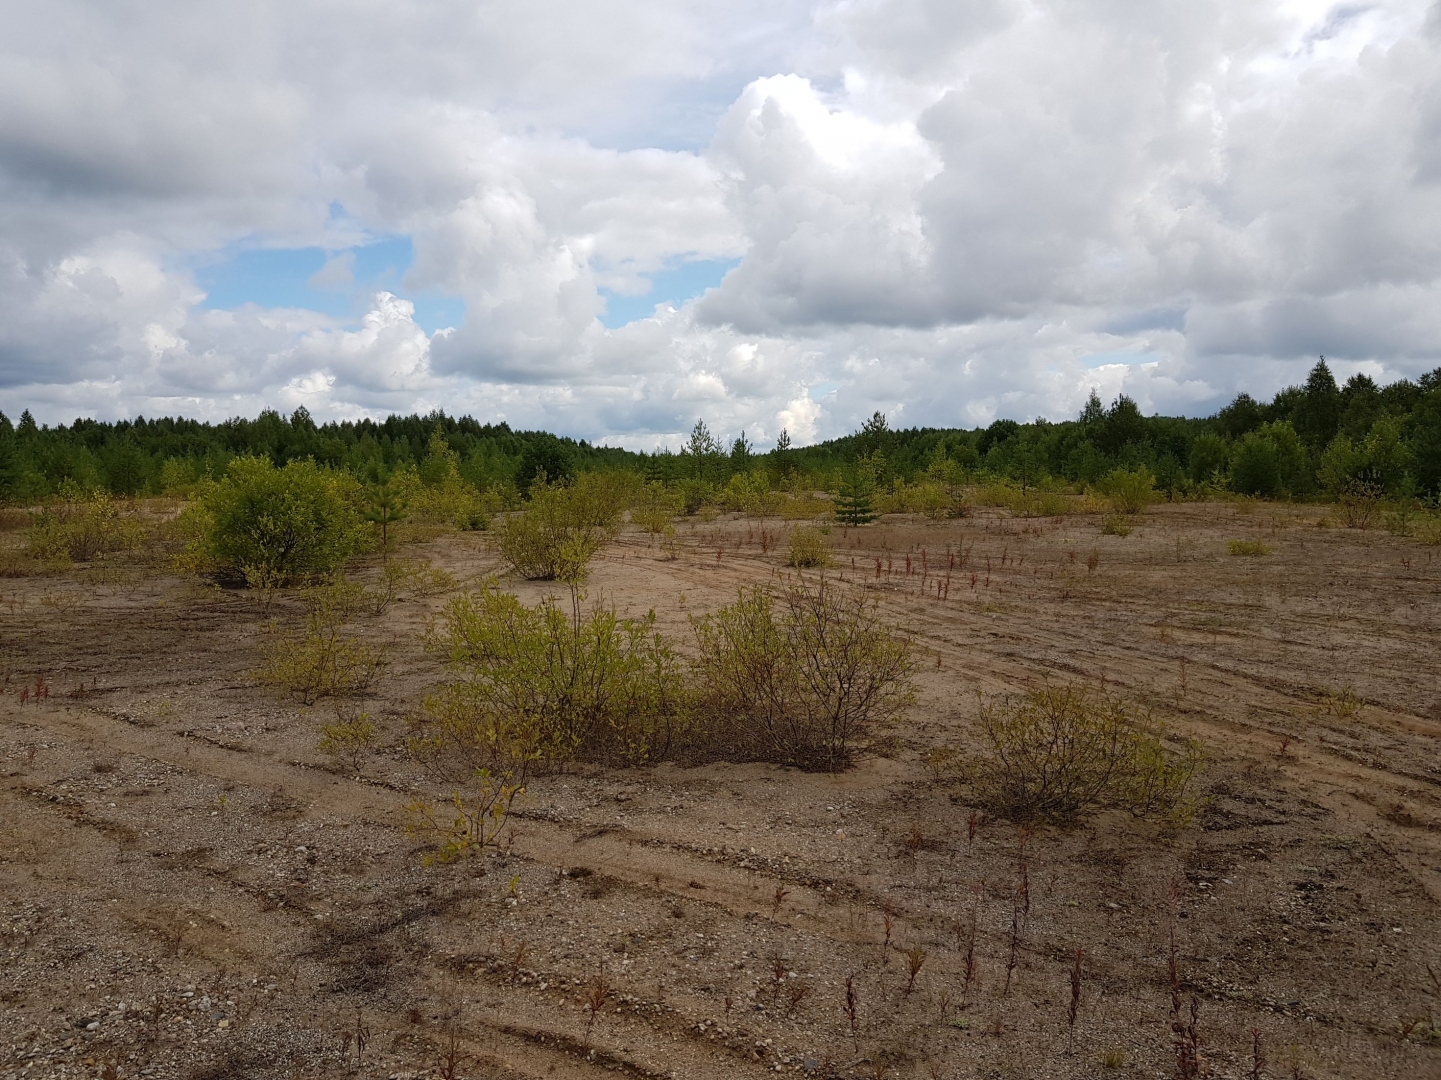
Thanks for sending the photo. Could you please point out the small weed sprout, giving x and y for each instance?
(852, 1011)
(595, 996)
(915, 960)
(479, 818)
(1059, 752)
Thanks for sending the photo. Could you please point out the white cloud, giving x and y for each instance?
(941, 210)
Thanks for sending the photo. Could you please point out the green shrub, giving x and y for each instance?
(1115, 524)
(540, 685)
(561, 529)
(654, 507)
(1247, 547)
(322, 661)
(349, 739)
(278, 526)
(808, 548)
(800, 680)
(82, 527)
(1130, 490)
(1060, 752)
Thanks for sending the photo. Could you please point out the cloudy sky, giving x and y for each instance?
(608, 218)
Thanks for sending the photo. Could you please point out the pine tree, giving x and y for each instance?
(853, 500)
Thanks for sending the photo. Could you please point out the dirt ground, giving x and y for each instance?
(189, 888)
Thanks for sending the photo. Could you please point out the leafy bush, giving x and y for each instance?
(537, 684)
(1059, 752)
(277, 526)
(800, 680)
(82, 527)
(1270, 461)
(808, 548)
(561, 529)
(1130, 490)
(322, 661)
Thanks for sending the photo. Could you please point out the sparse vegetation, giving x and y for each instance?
(323, 660)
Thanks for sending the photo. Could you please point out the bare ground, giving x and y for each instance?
(188, 888)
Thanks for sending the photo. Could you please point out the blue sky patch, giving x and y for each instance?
(335, 283)
(673, 285)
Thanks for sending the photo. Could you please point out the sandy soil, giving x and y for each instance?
(189, 888)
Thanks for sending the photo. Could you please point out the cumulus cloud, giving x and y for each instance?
(945, 211)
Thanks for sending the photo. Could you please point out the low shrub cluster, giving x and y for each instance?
(540, 686)
(82, 526)
(800, 678)
(1059, 752)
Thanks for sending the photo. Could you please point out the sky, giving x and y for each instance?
(610, 219)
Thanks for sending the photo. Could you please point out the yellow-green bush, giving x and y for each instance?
(1247, 547)
(1060, 752)
(808, 548)
(83, 526)
(561, 528)
(654, 508)
(277, 526)
(322, 660)
(1130, 490)
(540, 686)
(801, 679)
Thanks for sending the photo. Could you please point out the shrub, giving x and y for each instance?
(1247, 547)
(808, 548)
(1130, 490)
(276, 526)
(800, 680)
(1059, 752)
(83, 526)
(479, 816)
(322, 661)
(536, 684)
(560, 530)
(1116, 524)
(348, 739)
(654, 507)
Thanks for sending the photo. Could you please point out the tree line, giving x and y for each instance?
(1314, 439)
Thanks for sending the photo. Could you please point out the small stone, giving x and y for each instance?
(94, 1025)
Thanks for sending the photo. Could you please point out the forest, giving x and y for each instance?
(1316, 439)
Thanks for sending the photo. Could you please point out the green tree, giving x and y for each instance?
(1317, 413)
(1270, 461)
(853, 499)
(385, 506)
